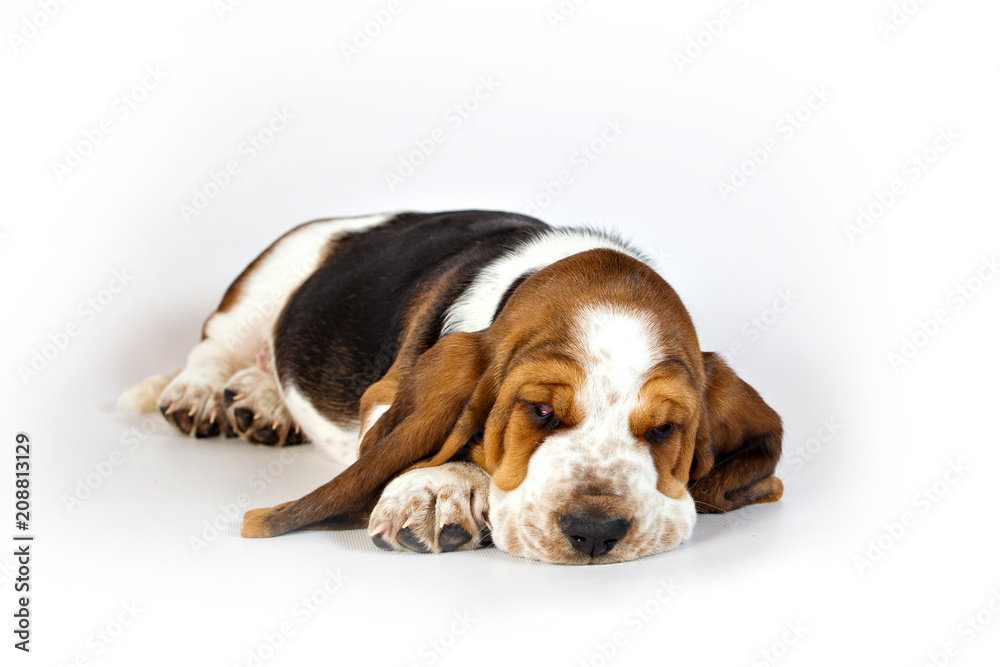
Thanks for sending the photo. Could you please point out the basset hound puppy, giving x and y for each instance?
(485, 377)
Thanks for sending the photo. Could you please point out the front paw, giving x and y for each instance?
(433, 510)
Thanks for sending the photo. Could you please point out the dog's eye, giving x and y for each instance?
(544, 415)
(660, 433)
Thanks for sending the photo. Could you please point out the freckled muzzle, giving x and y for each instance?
(558, 523)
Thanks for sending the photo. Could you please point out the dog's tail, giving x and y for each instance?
(142, 397)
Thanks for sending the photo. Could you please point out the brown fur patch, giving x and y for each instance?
(738, 444)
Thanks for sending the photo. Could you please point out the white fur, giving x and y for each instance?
(142, 397)
(617, 349)
(425, 500)
(373, 416)
(474, 310)
(338, 442)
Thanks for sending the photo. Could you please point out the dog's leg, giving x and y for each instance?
(228, 385)
(433, 509)
(193, 400)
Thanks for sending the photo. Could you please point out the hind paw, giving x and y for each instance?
(256, 411)
(195, 408)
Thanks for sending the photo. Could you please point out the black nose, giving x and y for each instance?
(592, 536)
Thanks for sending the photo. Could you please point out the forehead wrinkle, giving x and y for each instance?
(672, 367)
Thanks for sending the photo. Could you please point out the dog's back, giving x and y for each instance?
(339, 332)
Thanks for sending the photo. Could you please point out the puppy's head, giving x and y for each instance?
(592, 431)
(591, 407)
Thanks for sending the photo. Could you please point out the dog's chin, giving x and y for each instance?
(533, 532)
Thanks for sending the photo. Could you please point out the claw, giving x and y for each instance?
(294, 437)
(378, 537)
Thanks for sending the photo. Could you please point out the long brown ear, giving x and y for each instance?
(737, 446)
(435, 411)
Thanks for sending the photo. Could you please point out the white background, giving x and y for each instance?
(833, 559)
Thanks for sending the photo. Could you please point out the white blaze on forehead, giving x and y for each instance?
(618, 349)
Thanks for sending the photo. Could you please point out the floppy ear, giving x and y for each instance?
(437, 408)
(737, 445)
